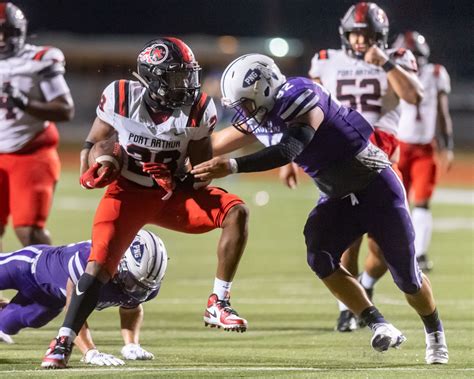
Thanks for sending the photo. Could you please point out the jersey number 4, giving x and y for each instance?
(363, 99)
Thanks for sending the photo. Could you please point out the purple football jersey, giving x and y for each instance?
(56, 264)
(339, 158)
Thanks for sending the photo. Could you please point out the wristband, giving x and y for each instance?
(88, 145)
(388, 66)
(234, 166)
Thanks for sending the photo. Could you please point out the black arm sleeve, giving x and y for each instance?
(292, 143)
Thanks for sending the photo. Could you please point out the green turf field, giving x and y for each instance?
(291, 315)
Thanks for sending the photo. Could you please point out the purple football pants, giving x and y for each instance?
(380, 210)
(30, 307)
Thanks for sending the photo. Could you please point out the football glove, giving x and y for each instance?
(91, 179)
(161, 175)
(15, 97)
(6, 338)
(133, 351)
(96, 358)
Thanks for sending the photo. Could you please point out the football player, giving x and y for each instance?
(365, 76)
(45, 276)
(417, 132)
(33, 95)
(298, 120)
(160, 121)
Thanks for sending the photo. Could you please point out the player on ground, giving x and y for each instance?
(160, 120)
(417, 133)
(362, 76)
(362, 193)
(45, 276)
(33, 94)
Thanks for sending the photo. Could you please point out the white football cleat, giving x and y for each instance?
(436, 348)
(220, 314)
(386, 336)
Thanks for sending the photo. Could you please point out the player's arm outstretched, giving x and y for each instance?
(91, 355)
(293, 142)
(131, 320)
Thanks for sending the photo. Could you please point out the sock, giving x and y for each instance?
(67, 332)
(372, 316)
(83, 301)
(367, 281)
(423, 225)
(342, 306)
(432, 322)
(222, 289)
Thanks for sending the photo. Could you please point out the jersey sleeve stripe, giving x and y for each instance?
(70, 268)
(305, 108)
(117, 98)
(437, 70)
(323, 54)
(39, 55)
(197, 110)
(123, 97)
(78, 264)
(295, 104)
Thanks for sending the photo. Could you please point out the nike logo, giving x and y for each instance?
(212, 314)
(78, 293)
(178, 134)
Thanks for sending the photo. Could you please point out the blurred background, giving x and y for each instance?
(101, 39)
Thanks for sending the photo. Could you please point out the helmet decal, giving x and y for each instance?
(137, 248)
(361, 12)
(251, 77)
(154, 54)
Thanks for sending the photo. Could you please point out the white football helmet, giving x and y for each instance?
(143, 266)
(249, 85)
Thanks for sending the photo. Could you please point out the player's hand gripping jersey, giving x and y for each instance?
(362, 86)
(36, 71)
(146, 141)
(418, 123)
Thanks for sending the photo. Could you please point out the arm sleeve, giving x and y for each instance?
(292, 144)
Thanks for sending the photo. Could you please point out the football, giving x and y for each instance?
(108, 153)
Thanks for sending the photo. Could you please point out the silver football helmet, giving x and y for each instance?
(249, 85)
(12, 30)
(143, 266)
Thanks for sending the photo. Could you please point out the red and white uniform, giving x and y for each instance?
(364, 87)
(135, 199)
(417, 130)
(29, 163)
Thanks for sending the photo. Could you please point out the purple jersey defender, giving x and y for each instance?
(40, 273)
(360, 191)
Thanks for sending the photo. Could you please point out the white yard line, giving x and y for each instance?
(237, 369)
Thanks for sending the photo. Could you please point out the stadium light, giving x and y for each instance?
(278, 47)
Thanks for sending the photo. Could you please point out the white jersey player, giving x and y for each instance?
(365, 76)
(33, 94)
(160, 121)
(417, 134)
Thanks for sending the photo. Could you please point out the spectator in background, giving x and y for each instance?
(33, 94)
(417, 133)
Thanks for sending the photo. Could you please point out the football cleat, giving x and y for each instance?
(386, 336)
(58, 353)
(220, 314)
(424, 263)
(346, 322)
(436, 348)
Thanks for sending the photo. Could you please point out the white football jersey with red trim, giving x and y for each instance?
(418, 123)
(37, 71)
(362, 86)
(123, 108)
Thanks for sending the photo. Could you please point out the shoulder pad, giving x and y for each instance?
(197, 110)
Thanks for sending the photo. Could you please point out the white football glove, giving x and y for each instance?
(134, 351)
(95, 357)
(5, 338)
